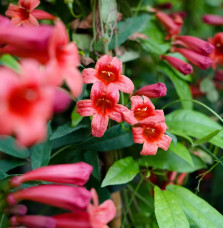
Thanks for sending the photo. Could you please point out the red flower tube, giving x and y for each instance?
(77, 174)
(108, 70)
(212, 19)
(152, 91)
(66, 197)
(178, 64)
(33, 221)
(196, 44)
(198, 60)
(102, 106)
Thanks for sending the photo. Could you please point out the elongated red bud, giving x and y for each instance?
(77, 174)
(212, 19)
(36, 221)
(18, 209)
(196, 44)
(178, 64)
(198, 60)
(152, 91)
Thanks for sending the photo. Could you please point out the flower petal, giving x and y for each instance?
(116, 114)
(89, 75)
(129, 117)
(137, 133)
(158, 118)
(30, 5)
(42, 15)
(164, 142)
(99, 125)
(85, 108)
(149, 149)
(113, 92)
(125, 84)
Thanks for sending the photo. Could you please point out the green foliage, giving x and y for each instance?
(121, 172)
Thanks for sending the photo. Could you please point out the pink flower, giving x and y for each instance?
(18, 209)
(178, 64)
(66, 197)
(77, 174)
(212, 19)
(102, 214)
(195, 44)
(34, 221)
(152, 136)
(217, 55)
(62, 100)
(152, 91)
(102, 105)
(142, 109)
(25, 103)
(25, 14)
(172, 25)
(108, 70)
(201, 61)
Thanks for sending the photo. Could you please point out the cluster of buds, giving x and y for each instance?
(195, 50)
(73, 197)
(148, 124)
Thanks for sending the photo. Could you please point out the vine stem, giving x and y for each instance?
(130, 201)
(60, 150)
(197, 102)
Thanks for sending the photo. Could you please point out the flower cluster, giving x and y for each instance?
(195, 50)
(28, 96)
(73, 197)
(148, 124)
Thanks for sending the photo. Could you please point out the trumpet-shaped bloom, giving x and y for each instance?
(217, 55)
(178, 64)
(25, 14)
(142, 109)
(102, 105)
(152, 91)
(33, 221)
(62, 100)
(196, 44)
(77, 174)
(66, 197)
(108, 70)
(212, 19)
(172, 26)
(151, 135)
(102, 214)
(25, 103)
(201, 61)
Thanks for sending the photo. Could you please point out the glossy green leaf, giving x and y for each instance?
(121, 172)
(182, 87)
(199, 211)
(8, 164)
(66, 129)
(8, 146)
(3, 175)
(114, 138)
(10, 62)
(167, 160)
(168, 212)
(173, 137)
(181, 134)
(194, 124)
(75, 117)
(182, 152)
(83, 41)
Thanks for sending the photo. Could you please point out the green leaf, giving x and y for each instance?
(207, 137)
(40, 153)
(173, 137)
(66, 129)
(8, 146)
(114, 138)
(181, 134)
(127, 28)
(6, 164)
(194, 124)
(121, 172)
(168, 212)
(129, 56)
(3, 175)
(75, 117)
(10, 62)
(199, 211)
(91, 157)
(182, 152)
(182, 87)
(83, 41)
(167, 160)
(108, 12)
